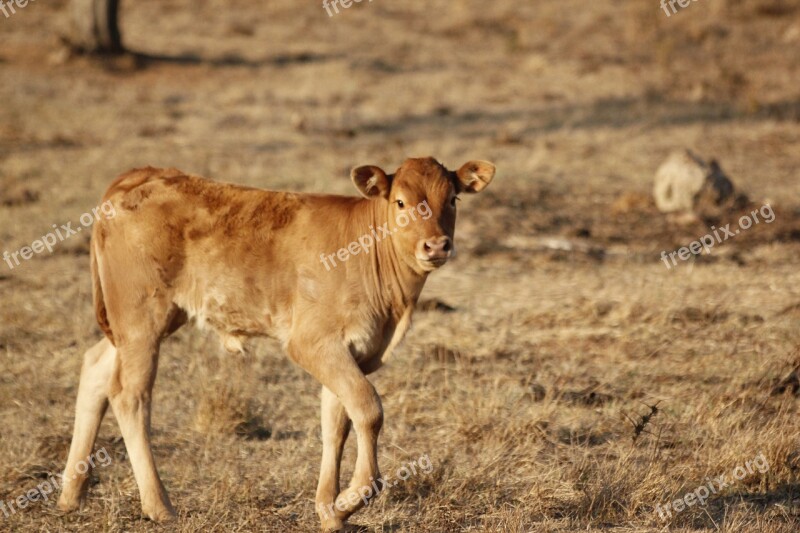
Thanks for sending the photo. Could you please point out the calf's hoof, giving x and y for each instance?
(68, 503)
(332, 525)
(160, 513)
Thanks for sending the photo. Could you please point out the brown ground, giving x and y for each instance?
(523, 395)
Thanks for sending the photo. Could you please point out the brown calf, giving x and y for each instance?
(248, 262)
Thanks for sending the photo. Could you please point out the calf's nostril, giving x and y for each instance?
(447, 245)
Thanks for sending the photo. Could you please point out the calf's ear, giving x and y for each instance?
(474, 176)
(371, 181)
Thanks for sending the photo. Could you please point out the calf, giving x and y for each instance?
(248, 262)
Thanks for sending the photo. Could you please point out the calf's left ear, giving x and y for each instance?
(474, 176)
(371, 181)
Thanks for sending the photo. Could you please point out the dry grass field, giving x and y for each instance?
(558, 376)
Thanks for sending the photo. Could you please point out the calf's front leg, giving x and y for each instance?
(333, 366)
(335, 428)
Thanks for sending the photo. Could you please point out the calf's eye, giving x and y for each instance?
(400, 204)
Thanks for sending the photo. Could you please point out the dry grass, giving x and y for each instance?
(538, 352)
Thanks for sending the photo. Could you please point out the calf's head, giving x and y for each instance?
(420, 201)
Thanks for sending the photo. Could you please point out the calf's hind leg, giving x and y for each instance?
(131, 400)
(98, 365)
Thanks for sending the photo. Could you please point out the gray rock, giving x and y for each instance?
(686, 183)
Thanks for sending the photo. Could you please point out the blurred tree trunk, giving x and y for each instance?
(94, 26)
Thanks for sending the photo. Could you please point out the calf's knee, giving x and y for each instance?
(370, 414)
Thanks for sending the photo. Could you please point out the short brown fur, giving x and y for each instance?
(247, 262)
